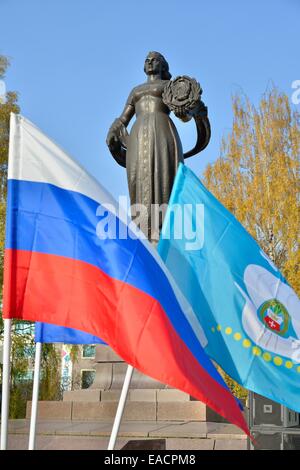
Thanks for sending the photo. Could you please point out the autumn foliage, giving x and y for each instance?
(257, 177)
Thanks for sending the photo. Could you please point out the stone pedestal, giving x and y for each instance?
(110, 373)
(142, 405)
(148, 399)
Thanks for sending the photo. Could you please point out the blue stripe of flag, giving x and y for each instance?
(47, 333)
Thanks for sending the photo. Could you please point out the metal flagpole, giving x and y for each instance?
(35, 395)
(5, 383)
(120, 409)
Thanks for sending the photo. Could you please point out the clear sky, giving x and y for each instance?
(74, 63)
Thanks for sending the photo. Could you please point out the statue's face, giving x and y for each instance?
(153, 65)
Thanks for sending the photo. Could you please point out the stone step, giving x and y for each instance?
(63, 434)
(134, 410)
(153, 395)
(50, 442)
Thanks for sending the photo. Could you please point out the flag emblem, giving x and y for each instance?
(270, 314)
(274, 316)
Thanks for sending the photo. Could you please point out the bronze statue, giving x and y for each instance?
(152, 151)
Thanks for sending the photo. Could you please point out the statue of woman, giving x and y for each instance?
(152, 151)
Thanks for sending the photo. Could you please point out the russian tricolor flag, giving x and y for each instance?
(47, 333)
(59, 271)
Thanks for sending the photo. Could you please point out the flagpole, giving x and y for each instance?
(120, 409)
(35, 395)
(5, 383)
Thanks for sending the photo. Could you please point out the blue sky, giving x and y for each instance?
(74, 63)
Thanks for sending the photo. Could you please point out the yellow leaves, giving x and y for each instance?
(10, 105)
(257, 176)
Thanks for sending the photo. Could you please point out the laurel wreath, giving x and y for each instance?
(183, 92)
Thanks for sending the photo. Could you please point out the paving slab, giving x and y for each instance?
(230, 444)
(225, 431)
(85, 429)
(49, 427)
(189, 444)
(141, 429)
(19, 442)
(128, 429)
(62, 434)
(195, 429)
(43, 427)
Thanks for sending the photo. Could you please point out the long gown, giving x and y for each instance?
(154, 151)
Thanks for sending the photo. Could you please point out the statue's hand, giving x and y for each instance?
(181, 113)
(112, 140)
(117, 135)
(116, 141)
(113, 134)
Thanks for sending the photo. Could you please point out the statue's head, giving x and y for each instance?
(155, 63)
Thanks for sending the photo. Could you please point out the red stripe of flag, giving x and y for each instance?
(75, 294)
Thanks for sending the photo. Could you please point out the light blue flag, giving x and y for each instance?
(249, 313)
